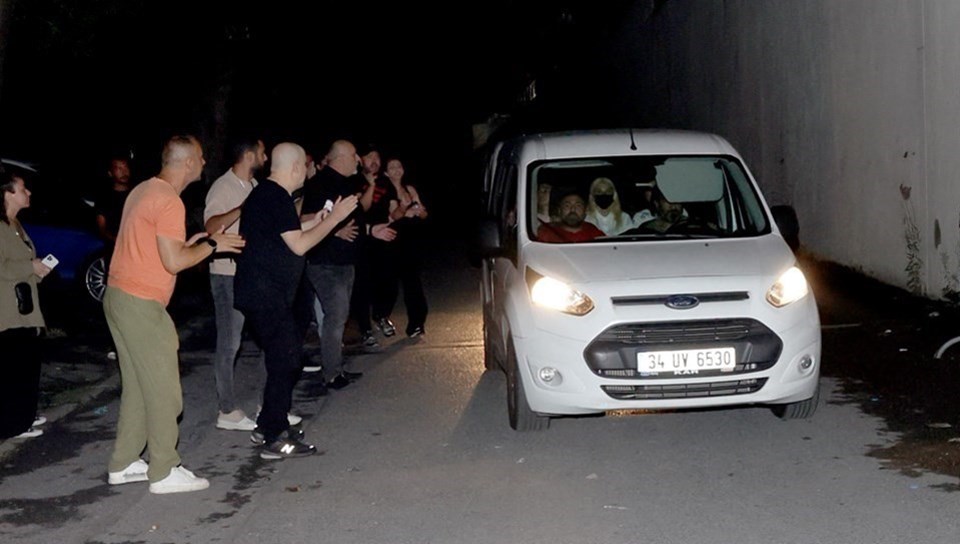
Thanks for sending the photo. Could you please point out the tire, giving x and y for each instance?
(95, 278)
(798, 410)
(489, 353)
(522, 418)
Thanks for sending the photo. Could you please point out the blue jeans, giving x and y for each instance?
(229, 328)
(333, 284)
(318, 313)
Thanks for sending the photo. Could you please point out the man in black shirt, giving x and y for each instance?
(373, 187)
(266, 282)
(330, 265)
(109, 204)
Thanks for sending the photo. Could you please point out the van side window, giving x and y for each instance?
(508, 224)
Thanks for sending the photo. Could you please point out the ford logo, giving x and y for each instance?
(682, 302)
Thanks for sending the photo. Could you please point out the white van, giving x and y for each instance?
(639, 269)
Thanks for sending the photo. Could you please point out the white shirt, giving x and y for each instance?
(608, 223)
(226, 193)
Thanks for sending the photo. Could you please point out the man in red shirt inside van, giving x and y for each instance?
(571, 227)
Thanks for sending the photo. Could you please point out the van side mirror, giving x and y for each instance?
(786, 218)
(488, 239)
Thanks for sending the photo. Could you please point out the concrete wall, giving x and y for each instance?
(849, 110)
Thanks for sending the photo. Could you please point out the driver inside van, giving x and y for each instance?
(668, 213)
(571, 226)
(671, 214)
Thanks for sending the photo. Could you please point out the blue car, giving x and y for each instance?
(63, 224)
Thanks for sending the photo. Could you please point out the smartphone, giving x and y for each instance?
(50, 261)
(328, 205)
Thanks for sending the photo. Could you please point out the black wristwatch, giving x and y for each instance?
(210, 242)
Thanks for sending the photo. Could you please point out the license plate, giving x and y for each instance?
(687, 361)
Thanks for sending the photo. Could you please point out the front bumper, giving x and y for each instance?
(585, 383)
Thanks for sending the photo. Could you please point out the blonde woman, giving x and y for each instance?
(604, 210)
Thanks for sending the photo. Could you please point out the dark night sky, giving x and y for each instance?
(114, 66)
(84, 77)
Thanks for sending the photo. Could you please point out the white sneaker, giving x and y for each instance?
(32, 432)
(180, 480)
(135, 472)
(39, 421)
(235, 421)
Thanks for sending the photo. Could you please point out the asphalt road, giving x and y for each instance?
(419, 451)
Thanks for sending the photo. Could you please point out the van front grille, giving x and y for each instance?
(684, 391)
(614, 352)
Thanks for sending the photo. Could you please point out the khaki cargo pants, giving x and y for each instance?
(151, 399)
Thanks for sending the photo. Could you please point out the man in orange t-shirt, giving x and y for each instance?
(151, 249)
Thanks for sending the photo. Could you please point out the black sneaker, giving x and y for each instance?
(314, 388)
(338, 383)
(386, 326)
(352, 376)
(369, 340)
(416, 331)
(292, 433)
(308, 364)
(284, 448)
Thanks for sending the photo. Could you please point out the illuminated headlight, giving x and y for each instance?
(790, 287)
(556, 295)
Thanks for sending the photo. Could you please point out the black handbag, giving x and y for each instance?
(24, 298)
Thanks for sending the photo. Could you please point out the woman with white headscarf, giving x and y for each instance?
(604, 210)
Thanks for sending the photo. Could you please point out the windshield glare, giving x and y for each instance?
(642, 198)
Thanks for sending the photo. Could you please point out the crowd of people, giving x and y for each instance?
(311, 243)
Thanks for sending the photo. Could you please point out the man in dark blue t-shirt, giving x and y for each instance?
(266, 282)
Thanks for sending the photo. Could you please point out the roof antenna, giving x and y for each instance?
(633, 146)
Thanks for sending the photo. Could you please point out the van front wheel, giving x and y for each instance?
(798, 410)
(522, 418)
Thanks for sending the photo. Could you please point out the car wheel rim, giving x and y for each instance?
(96, 278)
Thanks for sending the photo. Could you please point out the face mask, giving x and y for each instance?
(603, 201)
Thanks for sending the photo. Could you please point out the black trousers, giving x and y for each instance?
(398, 264)
(20, 386)
(280, 335)
(363, 284)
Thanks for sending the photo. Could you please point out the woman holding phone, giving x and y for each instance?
(20, 317)
(404, 258)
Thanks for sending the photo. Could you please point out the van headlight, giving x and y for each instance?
(556, 295)
(790, 287)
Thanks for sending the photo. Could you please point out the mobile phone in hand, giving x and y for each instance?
(50, 261)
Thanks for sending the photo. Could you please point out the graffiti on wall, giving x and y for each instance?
(911, 231)
(951, 272)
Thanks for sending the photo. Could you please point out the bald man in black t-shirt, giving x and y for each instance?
(265, 287)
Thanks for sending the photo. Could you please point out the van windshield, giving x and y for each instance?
(642, 198)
